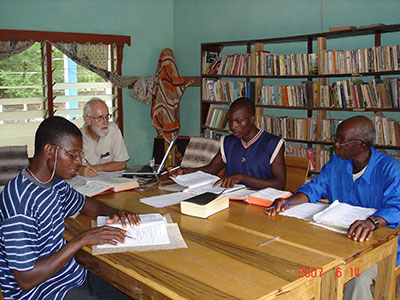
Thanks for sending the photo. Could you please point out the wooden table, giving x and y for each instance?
(355, 257)
(223, 259)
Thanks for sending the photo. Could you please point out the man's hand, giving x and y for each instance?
(229, 181)
(88, 171)
(175, 172)
(361, 230)
(124, 216)
(102, 235)
(277, 207)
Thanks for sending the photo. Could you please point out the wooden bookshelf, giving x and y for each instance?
(372, 72)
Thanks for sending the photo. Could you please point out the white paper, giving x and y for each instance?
(241, 193)
(342, 214)
(270, 193)
(90, 186)
(166, 199)
(174, 187)
(196, 179)
(151, 231)
(304, 211)
(209, 188)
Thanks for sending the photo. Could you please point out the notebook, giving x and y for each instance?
(146, 170)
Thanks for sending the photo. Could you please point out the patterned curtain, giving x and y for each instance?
(94, 57)
(167, 92)
(13, 47)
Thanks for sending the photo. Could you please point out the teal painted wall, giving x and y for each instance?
(200, 21)
(183, 25)
(148, 22)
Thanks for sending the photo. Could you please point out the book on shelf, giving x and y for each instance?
(340, 28)
(105, 181)
(204, 205)
(209, 58)
(337, 216)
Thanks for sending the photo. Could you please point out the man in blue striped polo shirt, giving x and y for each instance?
(35, 261)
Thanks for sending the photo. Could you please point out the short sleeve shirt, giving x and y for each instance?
(109, 148)
(31, 228)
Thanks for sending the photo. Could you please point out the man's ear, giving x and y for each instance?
(48, 150)
(86, 119)
(252, 119)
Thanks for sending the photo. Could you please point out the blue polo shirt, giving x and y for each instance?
(378, 187)
(31, 228)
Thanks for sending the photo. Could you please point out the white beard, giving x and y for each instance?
(99, 132)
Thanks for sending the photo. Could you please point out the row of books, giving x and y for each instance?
(387, 130)
(289, 128)
(261, 63)
(217, 117)
(305, 129)
(350, 93)
(226, 90)
(375, 59)
(354, 93)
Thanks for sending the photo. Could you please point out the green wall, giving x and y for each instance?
(148, 22)
(182, 25)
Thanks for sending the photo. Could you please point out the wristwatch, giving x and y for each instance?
(374, 221)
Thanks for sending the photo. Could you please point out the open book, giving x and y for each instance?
(201, 182)
(337, 216)
(91, 186)
(155, 232)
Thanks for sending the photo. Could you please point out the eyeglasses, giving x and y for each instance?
(80, 154)
(101, 118)
(336, 143)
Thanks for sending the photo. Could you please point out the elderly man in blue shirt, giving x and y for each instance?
(361, 176)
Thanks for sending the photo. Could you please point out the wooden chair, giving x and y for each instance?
(296, 172)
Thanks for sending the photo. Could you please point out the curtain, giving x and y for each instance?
(13, 47)
(94, 57)
(167, 92)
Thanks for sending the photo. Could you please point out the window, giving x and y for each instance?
(42, 81)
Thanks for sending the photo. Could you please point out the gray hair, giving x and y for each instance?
(87, 109)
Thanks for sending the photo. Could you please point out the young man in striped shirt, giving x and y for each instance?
(35, 261)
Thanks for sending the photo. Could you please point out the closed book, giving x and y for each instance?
(204, 205)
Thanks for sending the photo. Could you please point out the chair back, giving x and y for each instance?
(12, 160)
(199, 152)
(296, 172)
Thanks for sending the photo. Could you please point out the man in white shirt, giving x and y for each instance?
(103, 143)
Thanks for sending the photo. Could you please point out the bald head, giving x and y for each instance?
(87, 109)
(359, 128)
(245, 104)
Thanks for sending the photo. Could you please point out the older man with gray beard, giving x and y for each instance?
(103, 143)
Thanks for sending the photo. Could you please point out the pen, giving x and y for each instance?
(87, 162)
(173, 169)
(130, 237)
(268, 241)
(284, 203)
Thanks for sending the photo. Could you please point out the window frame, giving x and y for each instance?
(45, 37)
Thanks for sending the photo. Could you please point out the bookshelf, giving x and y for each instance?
(360, 80)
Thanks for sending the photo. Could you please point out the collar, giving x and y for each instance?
(371, 165)
(253, 140)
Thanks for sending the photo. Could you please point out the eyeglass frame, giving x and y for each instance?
(80, 154)
(101, 118)
(336, 144)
